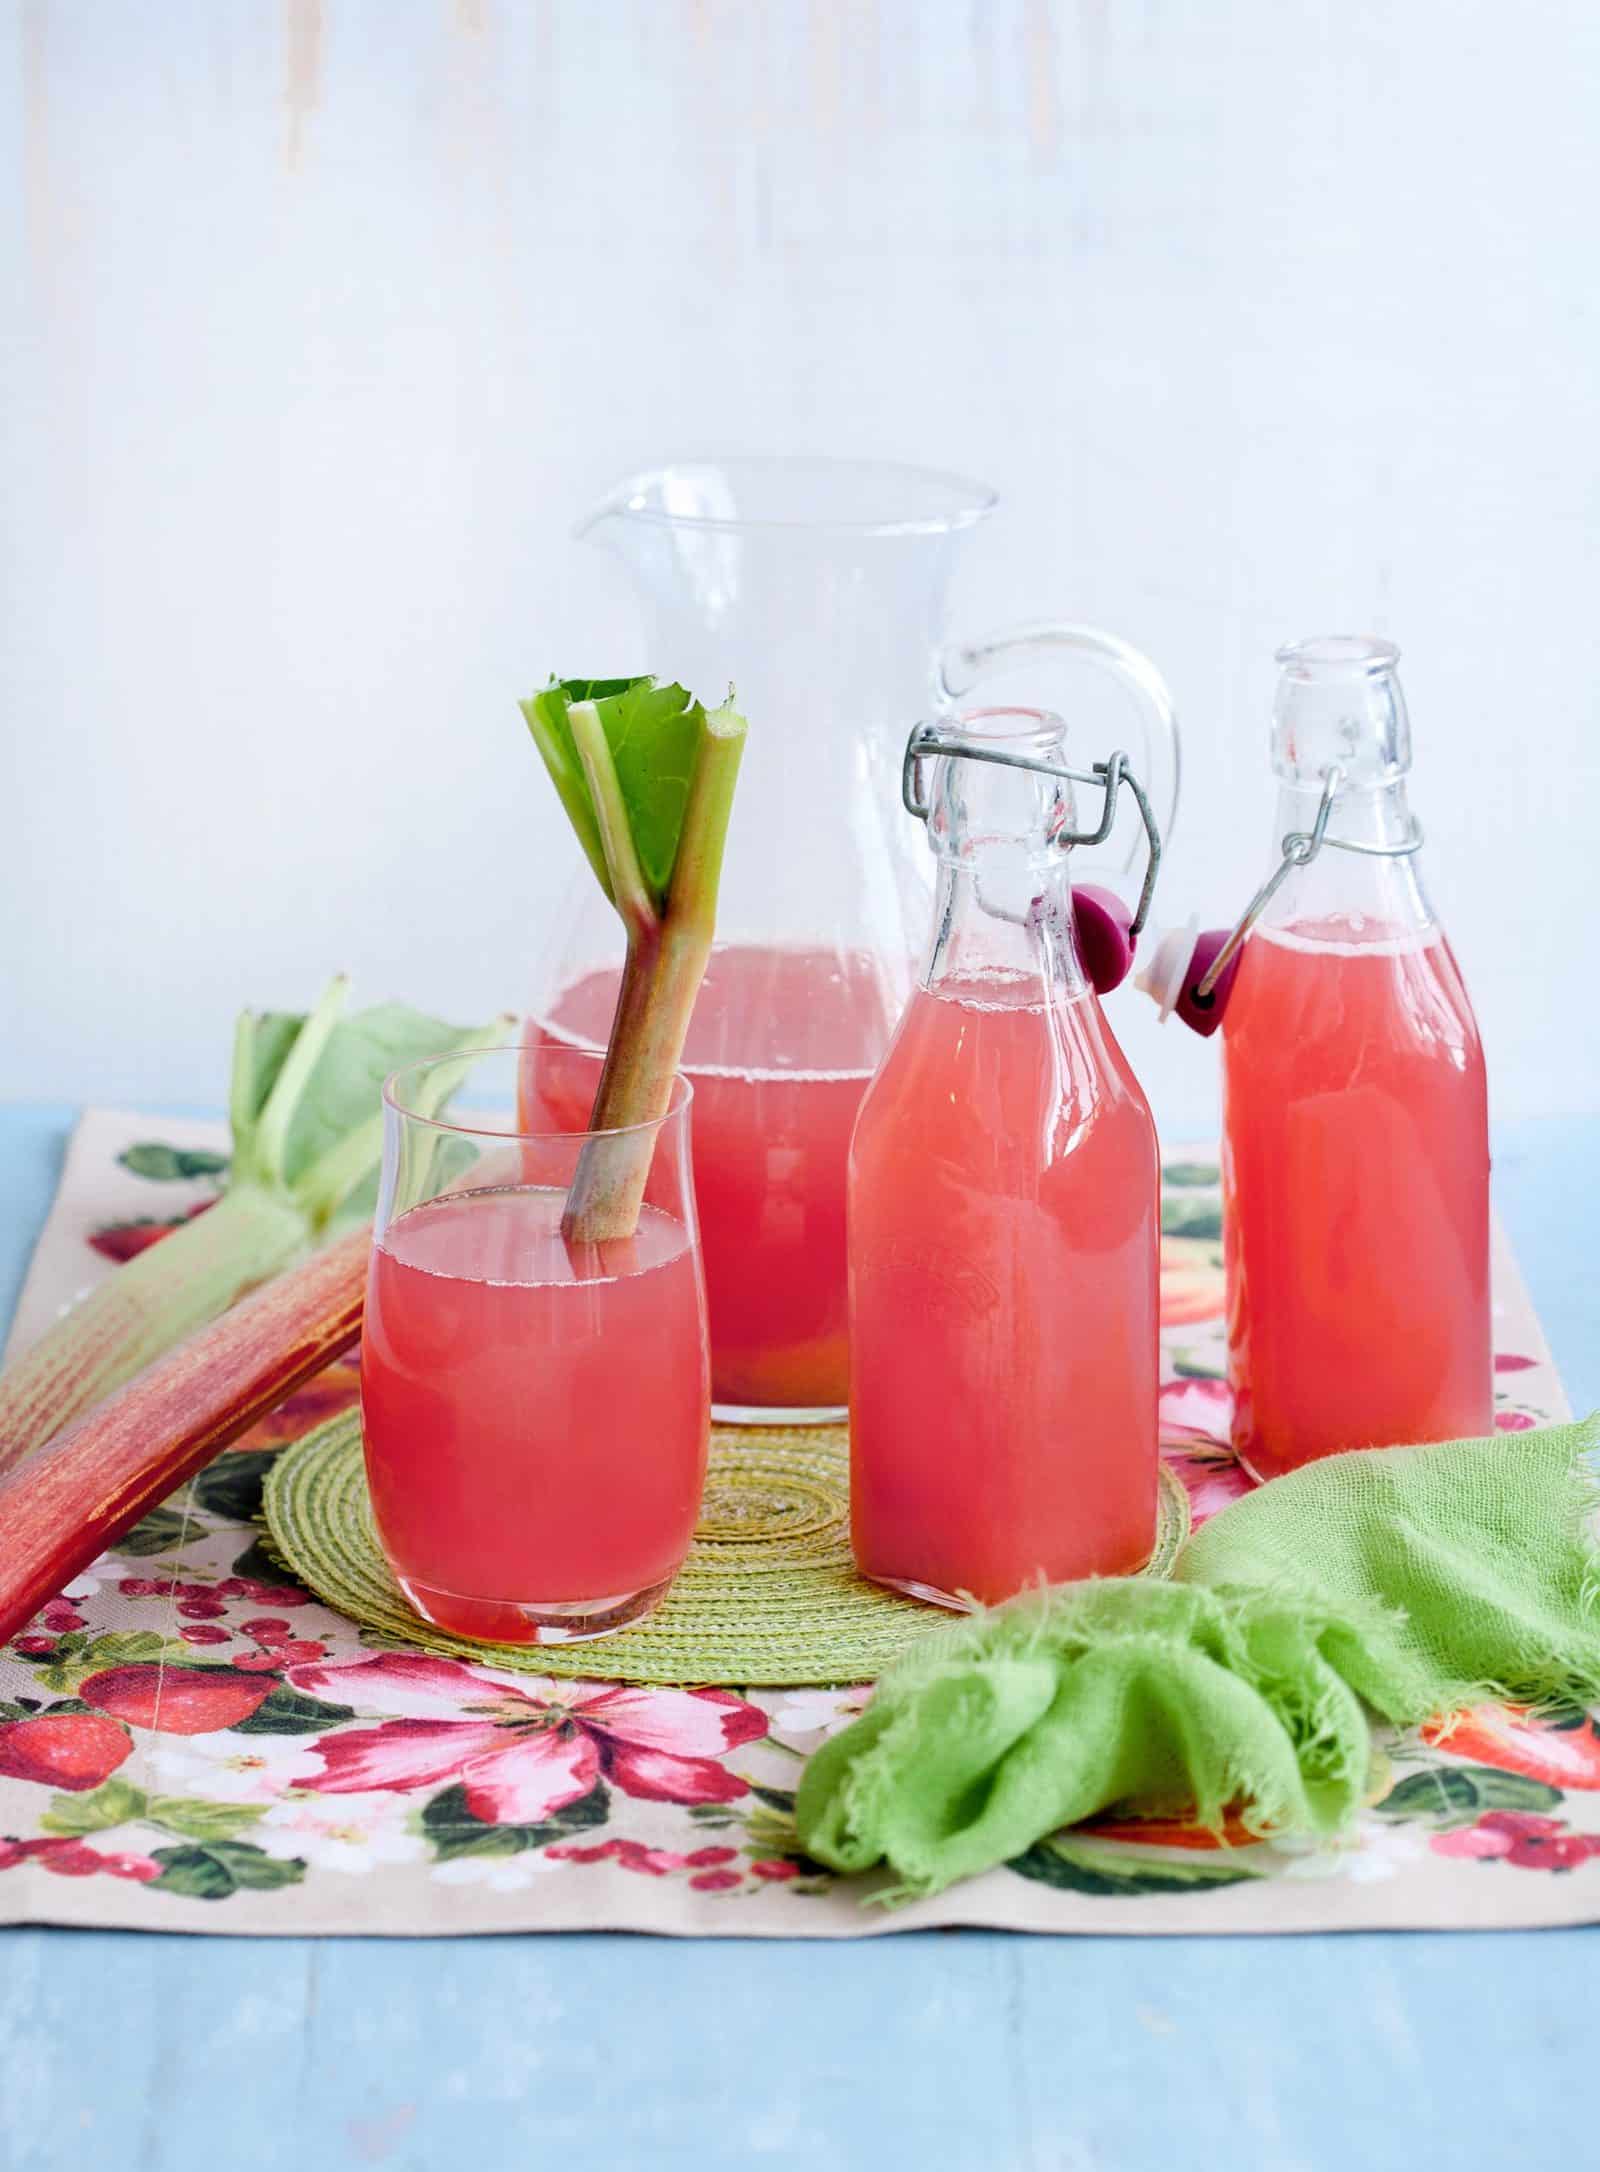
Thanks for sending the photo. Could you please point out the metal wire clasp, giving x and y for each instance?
(1300, 848)
(933, 739)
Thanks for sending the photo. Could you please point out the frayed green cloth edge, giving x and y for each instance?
(1414, 1581)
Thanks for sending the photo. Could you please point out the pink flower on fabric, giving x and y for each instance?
(1522, 1838)
(1472, 1843)
(521, 1745)
(1515, 1421)
(1507, 1362)
(1196, 1410)
(1210, 1478)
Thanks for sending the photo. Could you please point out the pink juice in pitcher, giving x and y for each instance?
(1356, 1177)
(535, 1413)
(779, 1052)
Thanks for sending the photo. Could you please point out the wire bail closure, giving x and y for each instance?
(1300, 848)
(928, 740)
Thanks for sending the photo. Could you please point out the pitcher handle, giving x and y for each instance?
(963, 664)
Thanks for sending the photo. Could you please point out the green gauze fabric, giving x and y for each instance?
(1417, 1578)
(1477, 1555)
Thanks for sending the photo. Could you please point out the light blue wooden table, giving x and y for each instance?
(953, 2050)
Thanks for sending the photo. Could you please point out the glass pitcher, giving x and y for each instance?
(816, 588)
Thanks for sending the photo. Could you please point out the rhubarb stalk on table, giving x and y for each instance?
(78, 1494)
(304, 1105)
(646, 775)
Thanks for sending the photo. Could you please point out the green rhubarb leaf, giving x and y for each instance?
(265, 1039)
(345, 1087)
(654, 735)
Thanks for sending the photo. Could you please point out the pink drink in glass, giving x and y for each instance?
(1356, 1176)
(780, 1050)
(1003, 1264)
(536, 1414)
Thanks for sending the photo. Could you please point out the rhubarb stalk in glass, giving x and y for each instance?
(646, 775)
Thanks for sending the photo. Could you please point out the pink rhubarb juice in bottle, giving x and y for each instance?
(1003, 1222)
(1355, 1134)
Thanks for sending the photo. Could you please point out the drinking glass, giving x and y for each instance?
(535, 1410)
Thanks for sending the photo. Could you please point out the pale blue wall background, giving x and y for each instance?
(322, 320)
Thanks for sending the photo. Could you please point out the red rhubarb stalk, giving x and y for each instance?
(76, 1496)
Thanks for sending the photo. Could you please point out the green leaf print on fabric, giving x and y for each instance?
(776, 1798)
(1187, 1368)
(114, 1803)
(1449, 1795)
(167, 1164)
(76, 1655)
(1191, 1218)
(287, 1712)
(256, 1563)
(204, 1821)
(222, 1868)
(163, 1531)
(232, 1485)
(453, 1830)
(1079, 1867)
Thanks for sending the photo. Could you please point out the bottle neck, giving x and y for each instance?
(1344, 896)
(1002, 925)
(1339, 710)
(1002, 931)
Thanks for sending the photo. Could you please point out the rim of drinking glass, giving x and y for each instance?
(974, 500)
(682, 1096)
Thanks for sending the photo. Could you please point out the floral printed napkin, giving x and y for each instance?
(189, 1742)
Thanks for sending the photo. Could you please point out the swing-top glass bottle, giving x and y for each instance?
(1004, 1192)
(1355, 1146)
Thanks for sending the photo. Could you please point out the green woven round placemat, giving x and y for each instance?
(768, 1595)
